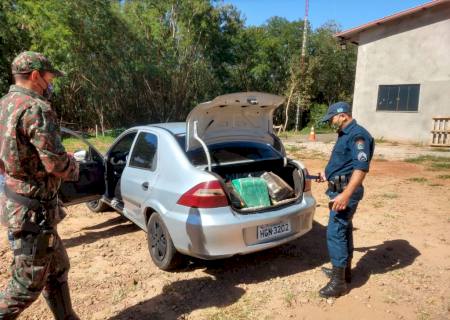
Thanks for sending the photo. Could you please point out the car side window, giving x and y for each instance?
(144, 152)
(124, 144)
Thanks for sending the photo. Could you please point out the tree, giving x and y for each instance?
(141, 61)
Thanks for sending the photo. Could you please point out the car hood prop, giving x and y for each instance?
(203, 144)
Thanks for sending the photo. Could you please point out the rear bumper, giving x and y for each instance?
(221, 232)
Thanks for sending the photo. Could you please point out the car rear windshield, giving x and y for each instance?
(240, 151)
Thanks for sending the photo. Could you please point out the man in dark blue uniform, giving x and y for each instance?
(345, 172)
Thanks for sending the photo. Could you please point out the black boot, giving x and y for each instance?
(337, 285)
(58, 300)
(348, 272)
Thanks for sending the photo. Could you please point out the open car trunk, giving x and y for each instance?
(291, 173)
(233, 135)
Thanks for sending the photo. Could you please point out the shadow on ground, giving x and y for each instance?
(119, 227)
(108, 223)
(220, 290)
(388, 256)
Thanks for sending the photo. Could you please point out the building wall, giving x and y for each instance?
(412, 50)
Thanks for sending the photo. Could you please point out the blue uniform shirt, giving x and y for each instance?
(353, 151)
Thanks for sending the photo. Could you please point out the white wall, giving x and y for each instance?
(413, 50)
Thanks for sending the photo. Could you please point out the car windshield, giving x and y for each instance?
(227, 152)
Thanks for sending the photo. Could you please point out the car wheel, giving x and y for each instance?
(97, 206)
(160, 245)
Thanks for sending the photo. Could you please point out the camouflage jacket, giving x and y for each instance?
(34, 158)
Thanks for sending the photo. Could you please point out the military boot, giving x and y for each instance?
(348, 272)
(337, 285)
(58, 300)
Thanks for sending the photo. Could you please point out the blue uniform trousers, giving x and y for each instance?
(340, 234)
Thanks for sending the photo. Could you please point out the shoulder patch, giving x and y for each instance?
(360, 144)
(362, 156)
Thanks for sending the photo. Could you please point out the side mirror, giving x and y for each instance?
(80, 155)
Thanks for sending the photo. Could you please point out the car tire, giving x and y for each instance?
(97, 206)
(160, 245)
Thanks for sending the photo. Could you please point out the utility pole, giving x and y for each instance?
(302, 60)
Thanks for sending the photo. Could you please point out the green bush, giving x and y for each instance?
(317, 112)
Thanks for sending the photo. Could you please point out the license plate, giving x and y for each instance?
(269, 231)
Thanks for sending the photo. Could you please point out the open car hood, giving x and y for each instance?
(245, 116)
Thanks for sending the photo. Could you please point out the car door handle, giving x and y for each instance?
(145, 186)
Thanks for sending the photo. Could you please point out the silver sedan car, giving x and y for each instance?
(177, 182)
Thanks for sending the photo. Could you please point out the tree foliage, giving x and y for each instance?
(142, 61)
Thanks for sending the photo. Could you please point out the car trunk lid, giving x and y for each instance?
(245, 116)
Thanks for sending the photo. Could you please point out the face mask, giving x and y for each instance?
(47, 88)
(48, 93)
(336, 126)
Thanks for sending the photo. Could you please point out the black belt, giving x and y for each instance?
(338, 183)
(30, 203)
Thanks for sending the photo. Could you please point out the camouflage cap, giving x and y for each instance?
(28, 61)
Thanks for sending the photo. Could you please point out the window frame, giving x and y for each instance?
(121, 139)
(397, 87)
(154, 166)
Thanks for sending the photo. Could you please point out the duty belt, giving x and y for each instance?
(338, 183)
(30, 203)
(36, 238)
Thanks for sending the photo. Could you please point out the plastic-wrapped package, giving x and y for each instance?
(253, 191)
(235, 198)
(278, 188)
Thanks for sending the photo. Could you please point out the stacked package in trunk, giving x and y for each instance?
(252, 191)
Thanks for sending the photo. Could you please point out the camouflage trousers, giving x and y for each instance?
(30, 277)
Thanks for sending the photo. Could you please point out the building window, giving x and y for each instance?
(403, 97)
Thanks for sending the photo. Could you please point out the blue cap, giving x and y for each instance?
(334, 109)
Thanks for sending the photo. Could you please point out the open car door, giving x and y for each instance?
(91, 183)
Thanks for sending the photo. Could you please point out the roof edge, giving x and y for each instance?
(349, 34)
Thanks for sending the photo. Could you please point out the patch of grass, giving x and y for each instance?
(436, 185)
(444, 176)
(313, 295)
(378, 204)
(118, 295)
(423, 315)
(380, 140)
(428, 158)
(417, 179)
(389, 195)
(102, 143)
(389, 299)
(418, 144)
(289, 298)
(294, 148)
(441, 165)
(240, 311)
(389, 216)
(444, 150)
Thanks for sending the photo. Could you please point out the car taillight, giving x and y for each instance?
(207, 194)
(307, 186)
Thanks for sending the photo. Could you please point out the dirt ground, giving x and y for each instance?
(401, 266)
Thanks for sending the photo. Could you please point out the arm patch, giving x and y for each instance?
(362, 156)
(360, 144)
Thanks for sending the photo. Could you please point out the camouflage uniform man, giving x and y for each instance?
(35, 165)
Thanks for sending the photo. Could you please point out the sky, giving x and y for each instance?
(348, 13)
